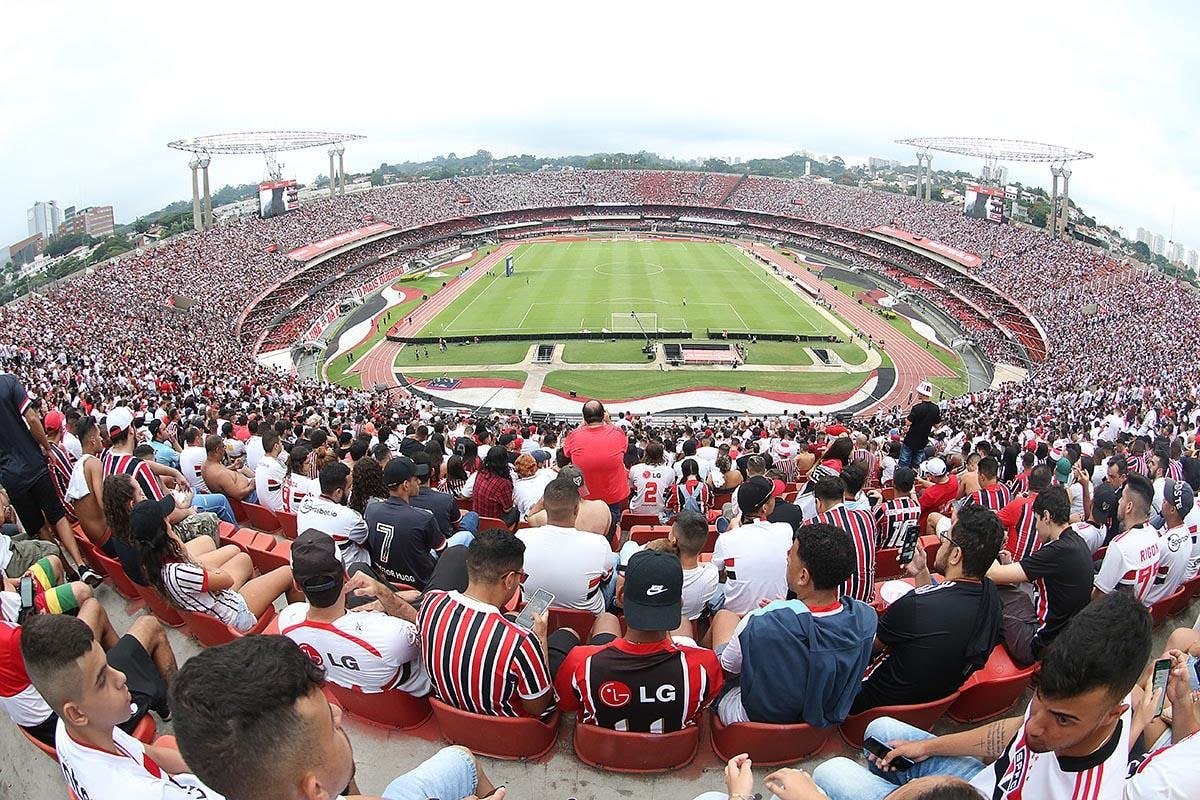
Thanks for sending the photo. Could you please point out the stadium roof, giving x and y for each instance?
(997, 149)
(261, 141)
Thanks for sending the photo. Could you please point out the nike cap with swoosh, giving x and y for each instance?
(653, 591)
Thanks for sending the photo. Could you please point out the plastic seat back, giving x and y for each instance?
(391, 709)
(160, 607)
(991, 690)
(508, 738)
(287, 524)
(629, 519)
(486, 523)
(920, 715)
(212, 632)
(261, 517)
(116, 574)
(768, 745)
(579, 621)
(621, 751)
(1165, 607)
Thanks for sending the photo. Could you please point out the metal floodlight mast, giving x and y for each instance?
(266, 143)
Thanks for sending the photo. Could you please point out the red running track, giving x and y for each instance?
(378, 365)
(913, 362)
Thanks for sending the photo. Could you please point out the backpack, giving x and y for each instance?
(692, 500)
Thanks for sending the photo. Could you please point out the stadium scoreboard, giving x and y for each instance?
(277, 197)
(984, 202)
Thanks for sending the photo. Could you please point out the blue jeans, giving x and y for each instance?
(469, 522)
(843, 779)
(462, 537)
(217, 503)
(609, 587)
(910, 459)
(448, 775)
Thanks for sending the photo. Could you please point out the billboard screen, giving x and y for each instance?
(984, 202)
(277, 197)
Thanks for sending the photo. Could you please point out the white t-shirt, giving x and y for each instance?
(1131, 560)
(365, 649)
(1166, 774)
(1175, 549)
(130, 774)
(268, 482)
(23, 703)
(652, 485)
(754, 557)
(296, 487)
(344, 525)
(572, 564)
(254, 451)
(187, 584)
(77, 486)
(1022, 773)
(1092, 534)
(527, 491)
(699, 585)
(1192, 521)
(191, 459)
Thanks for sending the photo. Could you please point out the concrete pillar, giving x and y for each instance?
(332, 173)
(1065, 200)
(197, 223)
(341, 172)
(929, 176)
(208, 212)
(1054, 172)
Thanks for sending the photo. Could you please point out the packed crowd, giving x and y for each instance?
(133, 416)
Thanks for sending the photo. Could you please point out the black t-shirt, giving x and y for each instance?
(130, 558)
(408, 446)
(1063, 574)
(399, 538)
(928, 633)
(787, 512)
(445, 511)
(450, 572)
(21, 461)
(922, 418)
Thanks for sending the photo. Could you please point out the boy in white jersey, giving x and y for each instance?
(1131, 561)
(375, 651)
(1072, 742)
(67, 666)
(652, 482)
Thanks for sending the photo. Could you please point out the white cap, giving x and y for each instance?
(118, 419)
(943, 526)
(925, 388)
(934, 467)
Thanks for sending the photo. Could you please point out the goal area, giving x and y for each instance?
(626, 322)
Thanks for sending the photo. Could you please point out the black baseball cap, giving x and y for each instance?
(398, 470)
(1104, 503)
(148, 517)
(754, 493)
(653, 591)
(420, 462)
(317, 568)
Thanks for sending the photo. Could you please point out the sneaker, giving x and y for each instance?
(91, 577)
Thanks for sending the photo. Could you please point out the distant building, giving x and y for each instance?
(1193, 260)
(1144, 236)
(1158, 245)
(882, 163)
(94, 221)
(44, 218)
(1176, 252)
(26, 250)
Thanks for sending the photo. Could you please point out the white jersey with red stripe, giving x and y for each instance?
(652, 485)
(23, 703)
(1022, 774)
(129, 773)
(1132, 561)
(1192, 521)
(1174, 550)
(269, 476)
(1168, 773)
(368, 650)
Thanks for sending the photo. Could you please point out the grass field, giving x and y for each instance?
(576, 286)
(624, 385)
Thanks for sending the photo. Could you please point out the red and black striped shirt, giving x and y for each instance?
(894, 519)
(860, 526)
(993, 498)
(127, 464)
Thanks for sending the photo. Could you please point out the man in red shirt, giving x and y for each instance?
(940, 487)
(598, 448)
(1018, 518)
(645, 681)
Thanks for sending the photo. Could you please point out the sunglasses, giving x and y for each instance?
(524, 576)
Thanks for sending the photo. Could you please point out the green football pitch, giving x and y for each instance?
(599, 285)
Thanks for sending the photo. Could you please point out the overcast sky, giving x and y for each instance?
(91, 92)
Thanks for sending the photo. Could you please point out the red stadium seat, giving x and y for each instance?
(1193, 588)
(463, 503)
(1167, 606)
(393, 709)
(620, 751)
(278, 556)
(920, 715)
(87, 550)
(120, 581)
(261, 517)
(144, 732)
(211, 632)
(508, 738)
(486, 523)
(887, 564)
(239, 509)
(160, 607)
(287, 524)
(579, 621)
(768, 745)
(629, 519)
(991, 690)
(930, 543)
(648, 533)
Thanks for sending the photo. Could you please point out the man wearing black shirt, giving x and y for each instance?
(921, 419)
(1061, 572)
(930, 640)
(401, 537)
(446, 512)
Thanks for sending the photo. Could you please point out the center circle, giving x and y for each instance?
(620, 269)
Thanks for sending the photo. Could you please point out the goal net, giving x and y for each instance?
(625, 321)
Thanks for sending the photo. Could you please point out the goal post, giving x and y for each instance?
(624, 321)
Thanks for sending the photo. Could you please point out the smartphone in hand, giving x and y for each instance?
(537, 605)
(881, 750)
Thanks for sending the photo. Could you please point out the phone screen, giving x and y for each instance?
(1162, 673)
(910, 545)
(880, 750)
(536, 606)
(26, 591)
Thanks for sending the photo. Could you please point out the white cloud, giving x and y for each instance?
(90, 92)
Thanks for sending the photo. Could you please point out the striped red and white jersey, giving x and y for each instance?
(1020, 523)
(894, 519)
(861, 527)
(993, 498)
(62, 464)
(126, 464)
(478, 660)
(1131, 561)
(1022, 774)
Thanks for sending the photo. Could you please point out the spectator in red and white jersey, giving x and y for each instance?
(653, 483)
(1020, 482)
(328, 513)
(691, 493)
(1072, 741)
(991, 494)
(752, 555)
(937, 487)
(645, 680)
(863, 452)
(60, 460)
(269, 473)
(1175, 541)
(191, 458)
(1018, 518)
(896, 519)
(1131, 562)
(368, 650)
(457, 626)
(297, 485)
(830, 493)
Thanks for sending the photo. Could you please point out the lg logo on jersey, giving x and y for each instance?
(615, 694)
(345, 662)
